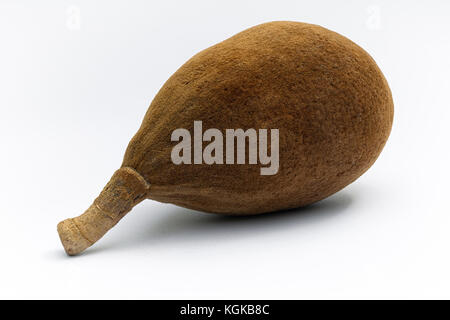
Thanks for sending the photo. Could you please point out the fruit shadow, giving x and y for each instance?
(179, 226)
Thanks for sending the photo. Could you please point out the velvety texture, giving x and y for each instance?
(326, 95)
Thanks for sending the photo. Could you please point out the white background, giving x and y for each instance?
(75, 81)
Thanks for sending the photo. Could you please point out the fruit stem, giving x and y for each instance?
(125, 190)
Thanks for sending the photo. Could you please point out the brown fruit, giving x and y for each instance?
(326, 95)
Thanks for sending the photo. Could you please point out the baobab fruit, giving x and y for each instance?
(322, 98)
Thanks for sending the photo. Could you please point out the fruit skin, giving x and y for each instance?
(326, 95)
(329, 100)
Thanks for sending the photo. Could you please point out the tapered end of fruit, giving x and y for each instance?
(73, 241)
(125, 189)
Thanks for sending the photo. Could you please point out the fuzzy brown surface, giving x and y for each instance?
(326, 95)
